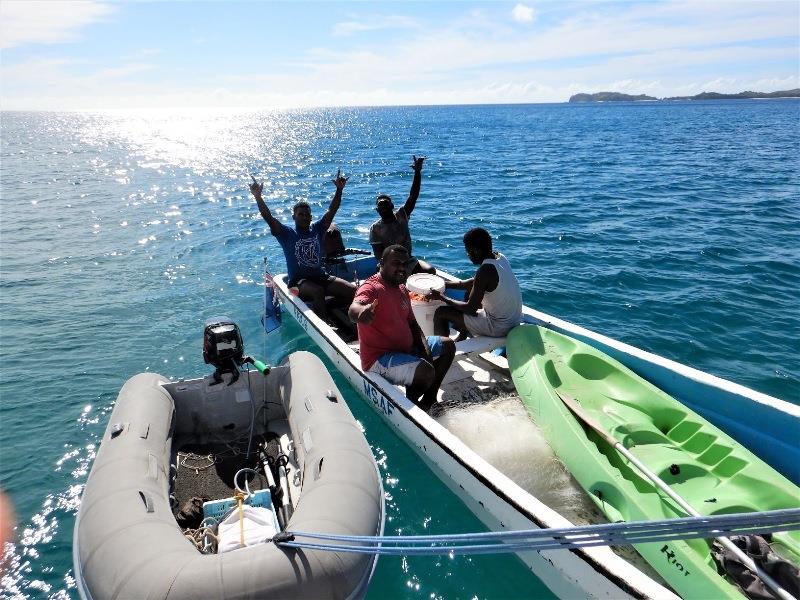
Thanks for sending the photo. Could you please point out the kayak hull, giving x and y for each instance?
(701, 463)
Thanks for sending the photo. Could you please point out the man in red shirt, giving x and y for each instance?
(391, 343)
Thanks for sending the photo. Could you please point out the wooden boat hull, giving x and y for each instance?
(499, 502)
(495, 499)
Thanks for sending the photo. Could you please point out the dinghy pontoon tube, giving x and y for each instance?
(127, 542)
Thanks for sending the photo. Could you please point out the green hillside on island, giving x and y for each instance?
(608, 97)
(619, 97)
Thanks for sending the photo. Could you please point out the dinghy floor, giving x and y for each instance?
(206, 470)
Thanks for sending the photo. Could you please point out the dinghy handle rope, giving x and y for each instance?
(586, 536)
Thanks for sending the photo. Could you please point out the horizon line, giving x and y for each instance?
(349, 106)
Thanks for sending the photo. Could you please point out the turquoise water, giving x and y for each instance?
(673, 227)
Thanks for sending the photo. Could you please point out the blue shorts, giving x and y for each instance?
(399, 367)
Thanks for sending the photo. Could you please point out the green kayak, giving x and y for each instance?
(712, 472)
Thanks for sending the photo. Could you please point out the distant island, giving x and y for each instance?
(608, 97)
(618, 97)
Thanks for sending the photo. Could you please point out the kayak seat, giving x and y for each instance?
(641, 437)
(590, 367)
(608, 380)
(673, 466)
(684, 472)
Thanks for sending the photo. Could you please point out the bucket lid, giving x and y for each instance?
(422, 283)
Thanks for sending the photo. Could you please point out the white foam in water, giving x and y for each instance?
(501, 432)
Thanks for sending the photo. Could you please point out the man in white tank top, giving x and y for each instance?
(494, 300)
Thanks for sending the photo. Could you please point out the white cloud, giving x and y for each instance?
(46, 22)
(523, 13)
(777, 83)
(124, 70)
(373, 23)
(144, 53)
(658, 49)
(637, 43)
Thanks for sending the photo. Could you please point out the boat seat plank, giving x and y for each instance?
(479, 345)
(496, 362)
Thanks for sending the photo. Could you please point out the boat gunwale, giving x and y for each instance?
(541, 318)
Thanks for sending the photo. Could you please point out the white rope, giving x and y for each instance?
(613, 534)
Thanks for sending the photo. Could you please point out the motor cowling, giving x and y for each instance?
(222, 343)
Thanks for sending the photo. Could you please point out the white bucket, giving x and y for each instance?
(420, 285)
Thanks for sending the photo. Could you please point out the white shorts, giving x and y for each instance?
(483, 324)
(399, 367)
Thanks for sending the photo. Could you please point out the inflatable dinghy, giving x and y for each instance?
(257, 455)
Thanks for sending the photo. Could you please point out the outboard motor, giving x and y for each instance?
(223, 348)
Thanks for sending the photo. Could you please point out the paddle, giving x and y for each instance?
(581, 414)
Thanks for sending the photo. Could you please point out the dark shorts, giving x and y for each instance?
(321, 280)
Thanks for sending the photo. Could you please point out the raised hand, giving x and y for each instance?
(339, 181)
(367, 314)
(256, 188)
(417, 164)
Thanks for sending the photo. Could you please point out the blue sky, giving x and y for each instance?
(95, 55)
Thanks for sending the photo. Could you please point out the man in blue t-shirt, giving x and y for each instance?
(302, 247)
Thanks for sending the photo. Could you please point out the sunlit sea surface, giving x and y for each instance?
(670, 226)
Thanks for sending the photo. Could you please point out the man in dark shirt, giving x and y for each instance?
(302, 247)
(392, 227)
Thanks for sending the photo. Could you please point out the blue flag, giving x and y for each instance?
(271, 319)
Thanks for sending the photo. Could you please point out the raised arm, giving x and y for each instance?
(485, 278)
(408, 207)
(257, 189)
(377, 249)
(339, 181)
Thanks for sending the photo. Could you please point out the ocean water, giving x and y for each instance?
(671, 226)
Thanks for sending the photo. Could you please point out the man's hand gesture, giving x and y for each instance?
(256, 188)
(339, 181)
(434, 295)
(367, 314)
(417, 164)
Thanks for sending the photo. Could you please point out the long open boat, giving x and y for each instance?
(708, 469)
(500, 502)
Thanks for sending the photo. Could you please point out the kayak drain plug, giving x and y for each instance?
(674, 469)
